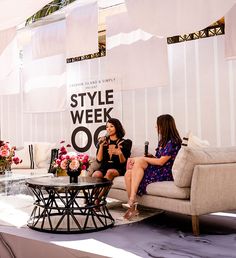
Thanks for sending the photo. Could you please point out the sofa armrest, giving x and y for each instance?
(213, 188)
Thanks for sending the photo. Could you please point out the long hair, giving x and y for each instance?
(167, 130)
(120, 132)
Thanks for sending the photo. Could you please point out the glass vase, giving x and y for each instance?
(5, 168)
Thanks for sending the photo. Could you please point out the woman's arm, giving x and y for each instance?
(157, 161)
(166, 153)
(99, 155)
(120, 153)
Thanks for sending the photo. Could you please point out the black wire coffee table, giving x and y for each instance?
(61, 207)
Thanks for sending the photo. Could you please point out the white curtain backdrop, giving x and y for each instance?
(48, 40)
(176, 17)
(44, 83)
(82, 30)
(201, 96)
(9, 63)
(138, 58)
(230, 34)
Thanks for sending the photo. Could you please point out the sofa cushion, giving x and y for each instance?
(188, 157)
(193, 141)
(26, 154)
(168, 189)
(43, 154)
(137, 151)
(119, 182)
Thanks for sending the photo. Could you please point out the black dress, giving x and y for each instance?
(114, 161)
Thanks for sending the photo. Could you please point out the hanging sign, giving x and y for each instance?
(92, 104)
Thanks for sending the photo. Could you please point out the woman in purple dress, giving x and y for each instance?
(149, 169)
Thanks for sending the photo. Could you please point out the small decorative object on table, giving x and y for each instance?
(71, 162)
(7, 156)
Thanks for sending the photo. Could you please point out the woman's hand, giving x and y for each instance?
(102, 141)
(130, 163)
(113, 150)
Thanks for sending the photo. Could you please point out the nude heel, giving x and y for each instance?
(131, 212)
(127, 205)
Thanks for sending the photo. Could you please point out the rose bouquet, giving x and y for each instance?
(70, 161)
(7, 156)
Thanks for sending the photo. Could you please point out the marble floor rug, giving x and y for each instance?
(16, 210)
(162, 235)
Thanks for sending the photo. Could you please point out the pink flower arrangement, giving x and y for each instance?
(70, 160)
(7, 155)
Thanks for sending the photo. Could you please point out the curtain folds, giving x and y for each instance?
(140, 59)
(82, 30)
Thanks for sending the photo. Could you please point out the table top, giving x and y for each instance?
(21, 176)
(64, 181)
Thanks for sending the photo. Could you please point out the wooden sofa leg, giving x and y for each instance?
(195, 225)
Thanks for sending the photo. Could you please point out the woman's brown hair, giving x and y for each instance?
(120, 132)
(167, 130)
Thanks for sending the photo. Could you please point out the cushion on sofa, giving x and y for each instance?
(188, 157)
(137, 151)
(43, 154)
(193, 141)
(119, 182)
(168, 189)
(26, 154)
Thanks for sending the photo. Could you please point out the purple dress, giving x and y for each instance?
(154, 173)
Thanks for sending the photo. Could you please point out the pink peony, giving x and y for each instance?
(63, 150)
(74, 164)
(6, 146)
(84, 167)
(64, 163)
(4, 152)
(58, 161)
(16, 160)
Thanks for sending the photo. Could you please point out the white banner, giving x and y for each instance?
(230, 34)
(92, 102)
(138, 58)
(49, 40)
(9, 64)
(82, 30)
(176, 17)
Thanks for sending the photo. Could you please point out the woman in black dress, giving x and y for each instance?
(113, 151)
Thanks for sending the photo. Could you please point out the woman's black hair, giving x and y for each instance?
(167, 130)
(120, 132)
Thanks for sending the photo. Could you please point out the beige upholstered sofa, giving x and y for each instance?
(204, 182)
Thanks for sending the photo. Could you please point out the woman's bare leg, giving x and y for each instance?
(137, 174)
(128, 182)
(111, 174)
(98, 174)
